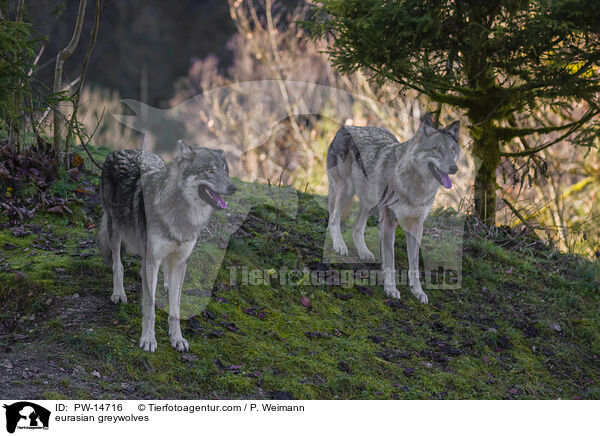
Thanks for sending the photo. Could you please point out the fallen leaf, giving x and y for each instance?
(56, 209)
(306, 302)
(230, 326)
(77, 161)
(74, 173)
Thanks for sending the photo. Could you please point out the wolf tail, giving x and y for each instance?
(103, 241)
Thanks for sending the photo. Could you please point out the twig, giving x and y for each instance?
(85, 145)
(77, 94)
(518, 214)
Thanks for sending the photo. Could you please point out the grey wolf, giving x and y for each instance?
(157, 211)
(399, 180)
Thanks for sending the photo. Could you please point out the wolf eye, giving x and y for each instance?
(209, 171)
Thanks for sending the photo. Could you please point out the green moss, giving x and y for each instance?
(493, 338)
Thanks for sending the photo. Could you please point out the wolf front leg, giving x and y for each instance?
(149, 279)
(414, 233)
(176, 277)
(165, 272)
(387, 235)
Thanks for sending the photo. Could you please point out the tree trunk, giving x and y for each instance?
(487, 148)
(58, 72)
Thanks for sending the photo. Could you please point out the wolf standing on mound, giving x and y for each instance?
(158, 211)
(399, 180)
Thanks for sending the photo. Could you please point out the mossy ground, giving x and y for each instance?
(525, 323)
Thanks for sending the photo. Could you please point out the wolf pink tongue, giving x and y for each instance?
(446, 182)
(222, 203)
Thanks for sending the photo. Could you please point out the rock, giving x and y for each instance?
(492, 330)
(19, 276)
(96, 374)
(554, 326)
(189, 357)
(427, 364)
(48, 302)
(5, 363)
(79, 371)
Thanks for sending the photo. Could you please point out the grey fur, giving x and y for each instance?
(399, 180)
(157, 211)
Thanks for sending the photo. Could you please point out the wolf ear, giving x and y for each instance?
(452, 129)
(427, 126)
(184, 151)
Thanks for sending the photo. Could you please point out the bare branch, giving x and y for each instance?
(573, 126)
(60, 61)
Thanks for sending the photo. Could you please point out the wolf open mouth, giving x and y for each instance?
(441, 177)
(212, 198)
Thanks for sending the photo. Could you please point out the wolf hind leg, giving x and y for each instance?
(103, 240)
(387, 234)
(150, 268)
(358, 233)
(341, 192)
(115, 240)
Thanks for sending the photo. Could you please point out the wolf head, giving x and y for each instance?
(205, 174)
(437, 149)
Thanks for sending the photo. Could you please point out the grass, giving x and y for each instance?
(524, 323)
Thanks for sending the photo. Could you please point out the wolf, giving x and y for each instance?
(398, 180)
(157, 211)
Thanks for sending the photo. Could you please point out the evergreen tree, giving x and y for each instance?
(492, 59)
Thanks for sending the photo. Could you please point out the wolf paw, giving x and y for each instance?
(148, 342)
(341, 249)
(366, 255)
(118, 297)
(392, 291)
(179, 343)
(418, 292)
